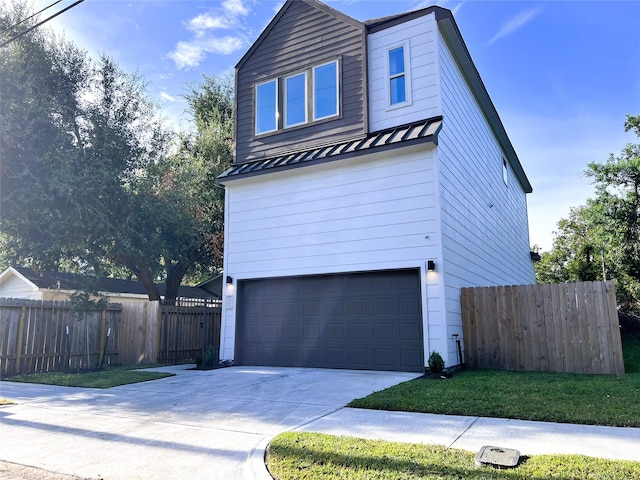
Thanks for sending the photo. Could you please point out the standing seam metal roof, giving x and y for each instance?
(416, 132)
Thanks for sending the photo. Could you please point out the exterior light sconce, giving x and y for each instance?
(431, 266)
(229, 280)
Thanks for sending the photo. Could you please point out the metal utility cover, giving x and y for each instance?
(497, 457)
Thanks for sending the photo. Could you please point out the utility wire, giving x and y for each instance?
(15, 37)
(29, 17)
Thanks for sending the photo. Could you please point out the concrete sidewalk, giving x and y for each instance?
(472, 433)
(217, 424)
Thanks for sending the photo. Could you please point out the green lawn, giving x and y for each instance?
(583, 399)
(303, 456)
(549, 397)
(106, 378)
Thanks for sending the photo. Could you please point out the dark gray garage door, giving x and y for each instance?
(369, 321)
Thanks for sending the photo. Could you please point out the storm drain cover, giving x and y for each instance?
(497, 457)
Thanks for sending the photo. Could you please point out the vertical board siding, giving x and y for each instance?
(139, 333)
(302, 37)
(567, 328)
(34, 337)
(187, 329)
(420, 37)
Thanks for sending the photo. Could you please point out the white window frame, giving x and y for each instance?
(407, 75)
(286, 123)
(505, 171)
(277, 100)
(313, 89)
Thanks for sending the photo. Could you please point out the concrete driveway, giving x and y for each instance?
(196, 425)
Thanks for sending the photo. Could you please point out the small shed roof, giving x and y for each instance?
(72, 281)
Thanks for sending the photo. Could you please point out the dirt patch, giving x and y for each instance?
(15, 471)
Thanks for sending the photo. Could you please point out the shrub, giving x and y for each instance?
(436, 363)
(210, 357)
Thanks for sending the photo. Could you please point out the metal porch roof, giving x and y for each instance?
(416, 132)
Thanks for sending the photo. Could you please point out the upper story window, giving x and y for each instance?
(307, 96)
(295, 103)
(505, 171)
(266, 107)
(398, 69)
(325, 90)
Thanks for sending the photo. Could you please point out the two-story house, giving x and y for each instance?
(373, 179)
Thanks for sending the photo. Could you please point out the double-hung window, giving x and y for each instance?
(266, 107)
(397, 76)
(307, 97)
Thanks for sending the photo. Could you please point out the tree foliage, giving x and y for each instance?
(92, 180)
(602, 238)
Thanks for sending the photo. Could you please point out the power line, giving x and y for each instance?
(29, 17)
(15, 37)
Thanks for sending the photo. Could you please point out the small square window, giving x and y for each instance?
(325, 90)
(266, 107)
(295, 108)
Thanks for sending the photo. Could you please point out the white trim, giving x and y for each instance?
(255, 103)
(407, 75)
(505, 171)
(313, 89)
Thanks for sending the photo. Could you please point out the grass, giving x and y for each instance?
(106, 378)
(549, 397)
(303, 456)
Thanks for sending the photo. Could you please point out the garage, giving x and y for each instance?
(361, 321)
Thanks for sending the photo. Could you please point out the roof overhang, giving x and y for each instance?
(424, 131)
(12, 272)
(451, 33)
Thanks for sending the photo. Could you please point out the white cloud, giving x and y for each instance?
(190, 53)
(166, 97)
(235, 7)
(208, 21)
(515, 23)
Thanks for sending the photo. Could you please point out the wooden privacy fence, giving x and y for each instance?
(139, 333)
(188, 327)
(567, 327)
(43, 336)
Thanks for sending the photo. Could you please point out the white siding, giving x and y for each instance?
(370, 213)
(420, 35)
(485, 233)
(15, 287)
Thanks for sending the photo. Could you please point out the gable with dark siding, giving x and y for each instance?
(304, 33)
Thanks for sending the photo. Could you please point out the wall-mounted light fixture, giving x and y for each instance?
(431, 266)
(229, 280)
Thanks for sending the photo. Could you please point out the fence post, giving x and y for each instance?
(103, 332)
(23, 311)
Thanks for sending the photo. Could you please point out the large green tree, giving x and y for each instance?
(576, 254)
(92, 179)
(616, 214)
(601, 240)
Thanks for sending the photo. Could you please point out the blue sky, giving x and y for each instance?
(562, 74)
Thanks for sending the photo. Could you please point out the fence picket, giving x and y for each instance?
(560, 327)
